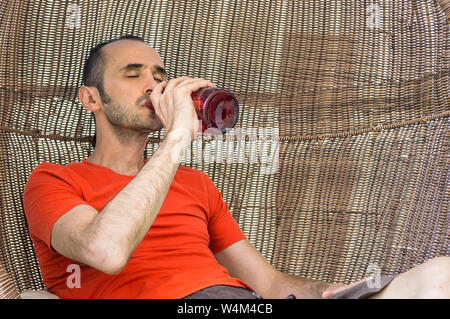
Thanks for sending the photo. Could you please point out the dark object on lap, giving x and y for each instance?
(363, 290)
(226, 292)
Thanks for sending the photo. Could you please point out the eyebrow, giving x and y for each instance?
(155, 69)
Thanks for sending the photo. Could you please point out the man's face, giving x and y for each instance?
(131, 71)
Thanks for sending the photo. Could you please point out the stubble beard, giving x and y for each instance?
(127, 122)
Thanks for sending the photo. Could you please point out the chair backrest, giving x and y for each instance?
(338, 164)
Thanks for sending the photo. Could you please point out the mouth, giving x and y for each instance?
(148, 104)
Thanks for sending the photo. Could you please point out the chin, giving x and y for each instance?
(154, 128)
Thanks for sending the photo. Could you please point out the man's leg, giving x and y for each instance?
(428, 280)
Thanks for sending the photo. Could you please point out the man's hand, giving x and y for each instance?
(335, 288)
(174, 107)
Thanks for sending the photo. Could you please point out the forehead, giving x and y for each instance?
(123, 52)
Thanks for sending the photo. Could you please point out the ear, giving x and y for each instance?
(90, 98)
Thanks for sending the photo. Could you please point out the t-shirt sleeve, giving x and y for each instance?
(223, 228)
(48, 194)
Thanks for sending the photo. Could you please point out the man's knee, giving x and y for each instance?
(435, 278)
(438, 265)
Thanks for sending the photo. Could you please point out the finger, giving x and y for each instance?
(175, 82)
(156, 94)
(189, 83)
(327, 294)
(194, 84)
(332, 289)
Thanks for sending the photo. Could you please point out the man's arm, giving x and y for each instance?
(105, 240)
(245, 262)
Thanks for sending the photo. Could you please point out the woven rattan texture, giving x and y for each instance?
(7, 289)
(339, 162)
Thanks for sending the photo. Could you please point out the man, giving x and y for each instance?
(154, 229)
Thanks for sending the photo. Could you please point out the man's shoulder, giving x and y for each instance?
(46, 174)
(47, 166)
(54, 167)
(49, 169)
(189, 171)
(192, 175)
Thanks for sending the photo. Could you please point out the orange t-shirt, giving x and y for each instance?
(174, 259)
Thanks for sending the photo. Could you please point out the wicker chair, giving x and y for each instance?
(339, 163)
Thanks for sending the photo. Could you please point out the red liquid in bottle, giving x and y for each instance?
(217, 108)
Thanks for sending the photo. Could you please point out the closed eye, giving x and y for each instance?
(135, 76)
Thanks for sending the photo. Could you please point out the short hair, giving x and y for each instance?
(94, 67)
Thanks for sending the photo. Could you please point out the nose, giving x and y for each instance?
(149, 84)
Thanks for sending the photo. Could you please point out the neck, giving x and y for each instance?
(124, 157)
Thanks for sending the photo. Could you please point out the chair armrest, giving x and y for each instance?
(38, 294)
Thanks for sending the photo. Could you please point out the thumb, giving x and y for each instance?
(156, 94)
(332, 289)
(327, 294)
